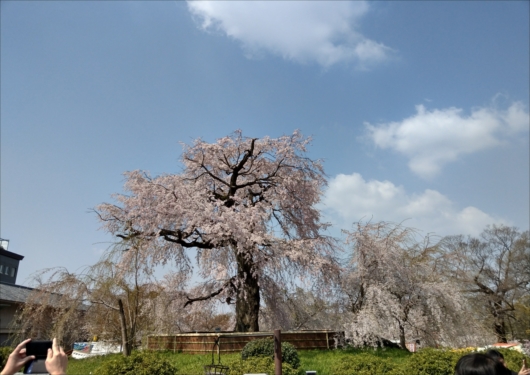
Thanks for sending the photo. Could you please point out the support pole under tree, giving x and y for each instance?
(277, 352)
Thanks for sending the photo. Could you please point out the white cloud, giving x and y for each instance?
(350, 198)
(301, 31)
(433, 138)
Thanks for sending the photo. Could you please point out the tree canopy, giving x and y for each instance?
(494, 270)
(246, 206)
(392, 288)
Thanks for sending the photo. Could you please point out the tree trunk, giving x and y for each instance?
(131, 337)
(123, 324)
(499, 325)
(248, 297)
(500, 329)
(402, 341)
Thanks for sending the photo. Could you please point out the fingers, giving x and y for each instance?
(49, 355)
(55, 346)
(22, 345)
(27, 359)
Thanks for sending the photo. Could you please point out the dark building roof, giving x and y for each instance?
(14, 293)
(10, 254)
(19, 294)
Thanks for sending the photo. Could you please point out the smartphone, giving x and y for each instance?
(40, 350)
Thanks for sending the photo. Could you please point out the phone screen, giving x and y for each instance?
(37, 366)
(40, 350)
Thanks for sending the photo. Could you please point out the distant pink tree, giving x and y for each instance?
(246, 206)
(394, 289)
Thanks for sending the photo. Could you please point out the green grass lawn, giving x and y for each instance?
(192, 364)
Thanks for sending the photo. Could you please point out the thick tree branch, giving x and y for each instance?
(229, 283)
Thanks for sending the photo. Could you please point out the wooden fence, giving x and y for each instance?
(230, 342)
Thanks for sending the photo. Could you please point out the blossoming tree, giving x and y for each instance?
(393, 289)
(245, 206)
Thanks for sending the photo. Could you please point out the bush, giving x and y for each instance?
(365, 364)
(4, 353)
(258, 364)
(265, 348)
(138, 363)
(434, 361)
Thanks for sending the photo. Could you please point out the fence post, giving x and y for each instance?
(277, 352)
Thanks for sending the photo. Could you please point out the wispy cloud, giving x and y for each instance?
(433, 138)
(325, 32)
(349, 198)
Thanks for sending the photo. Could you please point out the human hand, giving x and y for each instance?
(17, 359)
(524, 370)
(56, 361)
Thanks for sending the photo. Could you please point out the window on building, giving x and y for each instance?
(6, 270)
(12, 271)
(1, 268)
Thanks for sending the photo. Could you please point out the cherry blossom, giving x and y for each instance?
(245, 207)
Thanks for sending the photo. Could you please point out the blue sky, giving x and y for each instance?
(419, 109)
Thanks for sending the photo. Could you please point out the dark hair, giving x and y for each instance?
(495, 354)
(479, 364)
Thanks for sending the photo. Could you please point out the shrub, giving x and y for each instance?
(265, 348)
(433, 362)
(258, 364)
(4, 353)
(138, 363)
(364, 364)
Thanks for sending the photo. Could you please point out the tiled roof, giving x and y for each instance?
(19, 293)
(14, 293)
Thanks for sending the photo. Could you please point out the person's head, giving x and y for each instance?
(496, 355)
(479, 364)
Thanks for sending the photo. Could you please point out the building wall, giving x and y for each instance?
(8, 269)
(7, 313)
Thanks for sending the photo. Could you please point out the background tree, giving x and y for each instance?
(46, 315)
(494, 270)
(300, 309)
(111, 299)
(247, 208)
(393, 289)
